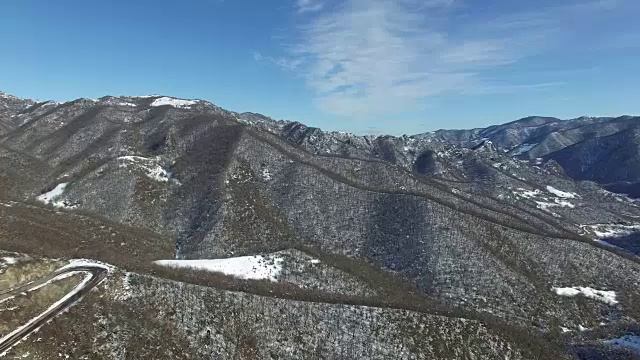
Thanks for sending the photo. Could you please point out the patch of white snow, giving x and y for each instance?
(145, 96)
(266, 174)
(604, 231)
(528, 194)
(607, 297)
(257, 267)
(53, 197)
(53, 194)
(561, 203)
(150, 166)
(9, 260)
(179, 103)
(560, 193)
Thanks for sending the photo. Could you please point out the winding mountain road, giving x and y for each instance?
(96, 273)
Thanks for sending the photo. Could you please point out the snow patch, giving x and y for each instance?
(607, 297)
(561, 203)
(150, 166)
(145, 96)
(266, 175)
(9, 260)
(528, 194)
(117, 102)
(53, 194)
(566, 291)
(256, 267)
(605, 231)
(53, 197)
(560, 193)
(544, 205)
(565, 204)
(179, 103)
(542, 202)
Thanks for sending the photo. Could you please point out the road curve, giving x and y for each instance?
(97, 272)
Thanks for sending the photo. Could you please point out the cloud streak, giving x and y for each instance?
(376, 56)
(305, 6)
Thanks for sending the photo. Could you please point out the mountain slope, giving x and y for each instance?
(10, 108)
(141, 316)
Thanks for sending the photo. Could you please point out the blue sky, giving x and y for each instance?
(366, 66)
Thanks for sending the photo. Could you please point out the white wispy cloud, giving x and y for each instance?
(304, 6)
(286, 63)
(375, 56)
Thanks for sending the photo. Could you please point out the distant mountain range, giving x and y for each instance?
(604, 150)
(601, 149)
(494, 228)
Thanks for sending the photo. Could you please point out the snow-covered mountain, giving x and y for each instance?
(604, 150)
(475, 227)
